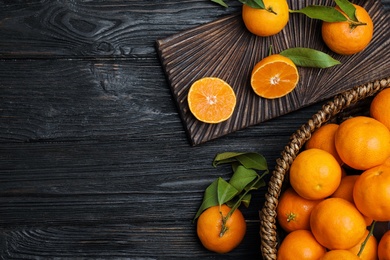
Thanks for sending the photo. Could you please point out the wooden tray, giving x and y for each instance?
(225, 49)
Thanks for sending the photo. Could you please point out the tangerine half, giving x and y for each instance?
(211, 100)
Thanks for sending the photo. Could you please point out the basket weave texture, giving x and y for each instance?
(268, 228)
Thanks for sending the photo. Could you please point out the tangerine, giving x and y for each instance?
(380, 107)
(274, 76)
(315, 174)
(384, 247)
(337, 224)
(211, 100)
(293, 211)
(345, 191)
(370, 251)
(323, 138)
(371, 193)
(218, 233)
(268, 21)
(300, 244)
(349, 37)
(339, 255)
(362, 142)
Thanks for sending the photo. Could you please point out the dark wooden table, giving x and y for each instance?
(94, 159)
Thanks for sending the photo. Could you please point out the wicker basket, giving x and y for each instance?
(351, 102)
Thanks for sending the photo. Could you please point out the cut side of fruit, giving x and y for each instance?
(275, 76)
(211, 100)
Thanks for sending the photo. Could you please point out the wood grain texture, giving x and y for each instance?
(94, 159)
(225, 49)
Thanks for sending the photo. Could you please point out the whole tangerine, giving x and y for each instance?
(371, 193)
(370, 251)
(268, 21)
(293, 211)
(337, 224)
(349, 37)
(380, 107)
(323, 138)
(362, 142)
(315, 174)
(300, 244)
(219, 234)
(384, 247)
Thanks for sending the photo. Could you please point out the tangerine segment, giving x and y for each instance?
(211, 100)
(274, 76)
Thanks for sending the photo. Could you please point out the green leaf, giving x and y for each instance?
(210, 198)
(246, 200)
(225, 191)
(324, 13)
(220, 2)
(226, 157)
(242, 177)
(306, 57)
(259, 4)
(249, 160)
(253, 161)
(348, 8)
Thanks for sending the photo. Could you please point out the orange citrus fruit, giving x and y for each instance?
(315, 174)
(380, 107)
(337, 224)
(384, 247)
(268, 21)
(349, 37)
(371, 193)
(211, 100)
(370, 251)
(300, 244)
(218, 236)
(345, 191)
(339, 255)
(293, 211)
(274, 76)
(323, 138)
(362, 142)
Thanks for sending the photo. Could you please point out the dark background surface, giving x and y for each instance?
(94, 160)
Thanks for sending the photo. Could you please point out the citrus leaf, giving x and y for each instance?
(226, 157)
(348, 8)
(225, 191)
(259, 4)
(306, 57)
(253, 161)
(210, 198)
(255, 185)
(246, 200)
(220, 2)
(242, 177)
(324, 13)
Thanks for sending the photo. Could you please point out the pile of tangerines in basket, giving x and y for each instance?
(339, 189)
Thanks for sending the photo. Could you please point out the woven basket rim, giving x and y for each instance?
(268, 230)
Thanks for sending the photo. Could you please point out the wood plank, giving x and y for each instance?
(97, 28)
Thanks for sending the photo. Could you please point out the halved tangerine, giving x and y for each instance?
(274, 76)
(211, 100)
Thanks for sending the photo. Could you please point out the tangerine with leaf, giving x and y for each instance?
(267, 18)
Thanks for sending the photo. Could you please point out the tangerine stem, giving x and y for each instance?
(238, 202)
(269, 9)
(368, 237)
(224, 228)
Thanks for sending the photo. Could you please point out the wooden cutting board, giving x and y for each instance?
(225, 48)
